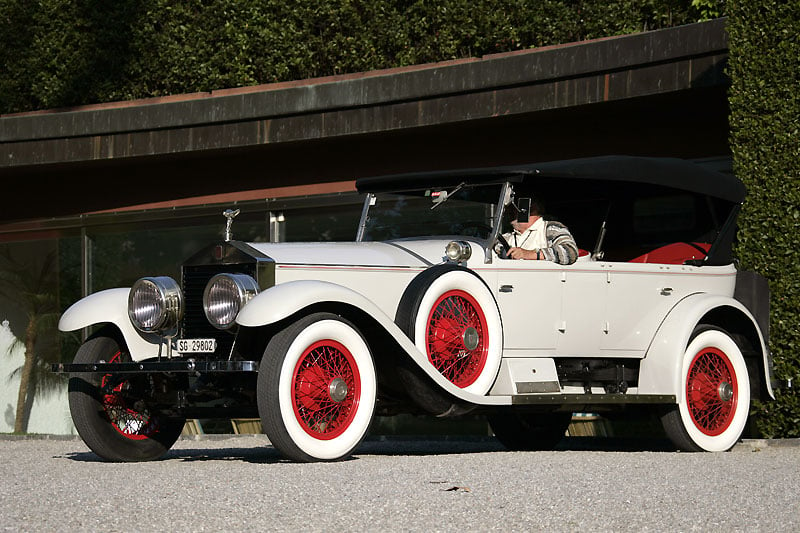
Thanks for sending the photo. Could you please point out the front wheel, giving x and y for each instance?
(714, 397)
(317, 389)
(108, 411)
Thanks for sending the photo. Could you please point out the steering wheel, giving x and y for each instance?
(504, 246)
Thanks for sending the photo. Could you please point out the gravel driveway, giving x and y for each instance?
(409, 485)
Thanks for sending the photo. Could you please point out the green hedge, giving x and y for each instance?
(57, 53)
(765, 140)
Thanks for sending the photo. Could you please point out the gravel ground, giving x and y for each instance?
(408, 485)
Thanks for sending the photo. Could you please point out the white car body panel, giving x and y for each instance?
(640, 295)
(111, 306)
(378, 271)
(588, 309)
(350, 253)
(659, 373)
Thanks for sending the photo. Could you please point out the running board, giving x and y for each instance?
(593, 399)
(154, 367)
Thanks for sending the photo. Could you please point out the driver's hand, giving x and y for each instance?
(519, 253)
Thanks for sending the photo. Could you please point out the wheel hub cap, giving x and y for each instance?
(338, 390)
(470, 338)
(725, 391)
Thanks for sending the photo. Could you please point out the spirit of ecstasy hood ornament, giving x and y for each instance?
(230, 214)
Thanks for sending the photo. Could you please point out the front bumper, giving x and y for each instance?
(158, 367)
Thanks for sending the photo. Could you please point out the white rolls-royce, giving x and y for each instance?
(425, 313)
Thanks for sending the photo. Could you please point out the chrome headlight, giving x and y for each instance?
(155, 304)
(458, 251)
(224, 297)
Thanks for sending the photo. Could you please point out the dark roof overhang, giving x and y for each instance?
(653, 93)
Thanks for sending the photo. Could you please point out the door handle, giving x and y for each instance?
(506, 288)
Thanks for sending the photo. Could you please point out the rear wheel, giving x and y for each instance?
(521, 431)
(108, 411)
(317, 389)
(714, 397)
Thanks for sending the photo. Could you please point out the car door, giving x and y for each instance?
(639, 297)
(529, 295)
(583, 322)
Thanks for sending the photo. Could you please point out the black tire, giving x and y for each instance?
(521, 431)
(714, 397)
(317, 389)
(103, 416)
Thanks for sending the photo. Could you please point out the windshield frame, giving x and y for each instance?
(505, 192)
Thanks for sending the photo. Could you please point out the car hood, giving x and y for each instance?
(411, 253)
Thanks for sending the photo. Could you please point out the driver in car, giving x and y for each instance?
(535, 238)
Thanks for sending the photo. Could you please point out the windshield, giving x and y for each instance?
(466, 210)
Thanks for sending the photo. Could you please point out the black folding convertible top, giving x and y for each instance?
(667, 172)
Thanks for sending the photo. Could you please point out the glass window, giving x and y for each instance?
(39, 279)
(121, 254)
(334, 223)
(455, 211)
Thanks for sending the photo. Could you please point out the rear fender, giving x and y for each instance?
(660, 371)
(111, 307)
(286, 299)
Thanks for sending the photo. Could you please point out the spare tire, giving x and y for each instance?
(452, 317)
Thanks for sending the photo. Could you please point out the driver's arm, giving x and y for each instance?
(562, 247)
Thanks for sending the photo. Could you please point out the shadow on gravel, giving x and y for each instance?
(259, 455)
(461, 445)
(399, 446)
(615, 444)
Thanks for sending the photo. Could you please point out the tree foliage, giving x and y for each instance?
(57, 53)
(765, 141)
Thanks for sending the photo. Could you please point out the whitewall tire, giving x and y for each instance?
(714, 395)
(317, 389)
(456, 324)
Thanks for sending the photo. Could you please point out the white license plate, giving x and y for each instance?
(197, 345)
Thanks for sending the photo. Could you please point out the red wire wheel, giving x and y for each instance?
(327, 389)
(130, 423)
(711, 391)
(457, 337)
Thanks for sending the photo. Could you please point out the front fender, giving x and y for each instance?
(660, 371)
(286, 299)
(110, 307)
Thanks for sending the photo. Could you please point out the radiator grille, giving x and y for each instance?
(195, 325)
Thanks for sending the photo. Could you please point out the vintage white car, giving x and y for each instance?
(423, 314)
